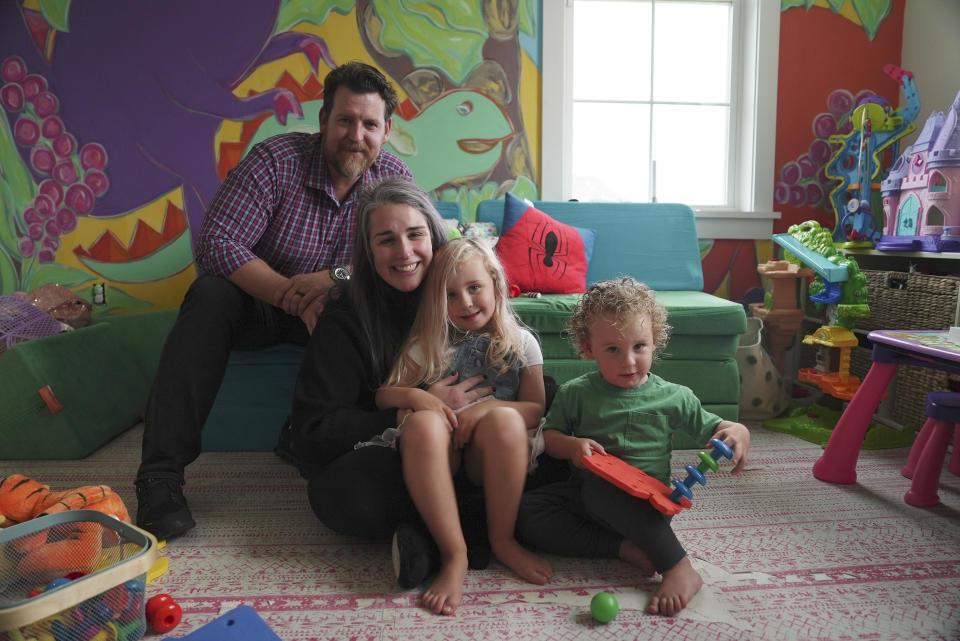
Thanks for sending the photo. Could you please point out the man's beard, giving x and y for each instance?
(350, 164)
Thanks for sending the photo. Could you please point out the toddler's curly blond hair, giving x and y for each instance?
(617, 300)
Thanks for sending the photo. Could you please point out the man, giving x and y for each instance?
(276, 237)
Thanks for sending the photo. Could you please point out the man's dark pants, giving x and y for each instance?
(215, 318)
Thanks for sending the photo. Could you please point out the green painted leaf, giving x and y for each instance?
(790, 4)
(8, 220)
(56, 12)
(447, 35)
(9, 277)
(14, 170)
(293, 12)
(69, 277)
(871, 14)
(527, 18)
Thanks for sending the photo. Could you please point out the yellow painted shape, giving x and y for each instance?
(764, 249)
(166, 293)
(846, 11)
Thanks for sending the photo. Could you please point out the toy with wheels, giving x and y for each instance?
(643, 486)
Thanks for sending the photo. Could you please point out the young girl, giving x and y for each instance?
(465, 324)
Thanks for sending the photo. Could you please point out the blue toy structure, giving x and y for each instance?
(696, 474)
(856, 161)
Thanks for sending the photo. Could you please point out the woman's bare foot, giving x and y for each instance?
(680, 584)
(525, 563)
(636, 557)
(444, 594)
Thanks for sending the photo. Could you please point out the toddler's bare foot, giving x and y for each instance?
(680, 584)
(525, 563)
(637, 558)
(444, 594)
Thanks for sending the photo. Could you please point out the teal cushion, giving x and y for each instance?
(690, 313)
(253, 401)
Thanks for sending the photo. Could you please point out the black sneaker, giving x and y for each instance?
(161, 508)
(415, 555)
(286, 449)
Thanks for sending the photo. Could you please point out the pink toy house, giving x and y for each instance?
(921, 194)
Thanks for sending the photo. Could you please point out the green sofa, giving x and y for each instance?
(101, 374)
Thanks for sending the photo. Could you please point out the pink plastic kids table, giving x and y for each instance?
(891, 348)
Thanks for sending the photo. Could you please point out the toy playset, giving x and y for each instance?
(921, 194)
(841, 287)
(856, 160)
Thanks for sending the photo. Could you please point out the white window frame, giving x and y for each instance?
(753, 134)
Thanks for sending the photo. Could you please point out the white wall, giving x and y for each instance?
(931, 50)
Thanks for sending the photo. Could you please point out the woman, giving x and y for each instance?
(360, 491)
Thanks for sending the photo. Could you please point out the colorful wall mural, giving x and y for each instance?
(121, 120)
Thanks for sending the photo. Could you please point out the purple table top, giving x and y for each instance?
(932, 344)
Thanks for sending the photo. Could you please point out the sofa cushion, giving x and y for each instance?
(693, 313)
(254, 400)
(96, 379)
(541, 254)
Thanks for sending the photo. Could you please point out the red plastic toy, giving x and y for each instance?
(634, 482)
(640, 484)
(163, 613)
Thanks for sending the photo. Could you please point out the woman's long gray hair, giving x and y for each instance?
(369, 292)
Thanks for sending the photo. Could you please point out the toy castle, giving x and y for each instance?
(921, 194)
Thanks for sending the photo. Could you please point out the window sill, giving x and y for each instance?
(738, 225)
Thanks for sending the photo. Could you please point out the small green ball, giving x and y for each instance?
(604, 607)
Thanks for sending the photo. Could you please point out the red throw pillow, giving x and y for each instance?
(541, 254)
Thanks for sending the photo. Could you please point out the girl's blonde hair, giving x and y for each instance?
(617, 300)
(433, 331)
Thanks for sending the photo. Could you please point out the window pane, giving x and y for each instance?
(610, 148)
(691, 56)
(611, 45)
(690, 149)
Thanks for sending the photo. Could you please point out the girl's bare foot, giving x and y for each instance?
(444, 594)
(636, 557)
(525, 563)
(680, 584)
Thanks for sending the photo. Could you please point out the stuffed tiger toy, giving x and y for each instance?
(58, 550)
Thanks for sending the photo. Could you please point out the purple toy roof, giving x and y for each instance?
(946, 148)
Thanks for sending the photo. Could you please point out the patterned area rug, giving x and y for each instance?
(784, 556)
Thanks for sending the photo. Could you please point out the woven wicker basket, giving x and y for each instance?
(913, 385)
(900, 300)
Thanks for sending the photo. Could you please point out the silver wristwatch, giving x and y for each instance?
(340, 274)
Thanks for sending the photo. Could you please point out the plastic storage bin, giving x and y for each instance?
(105, 602)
